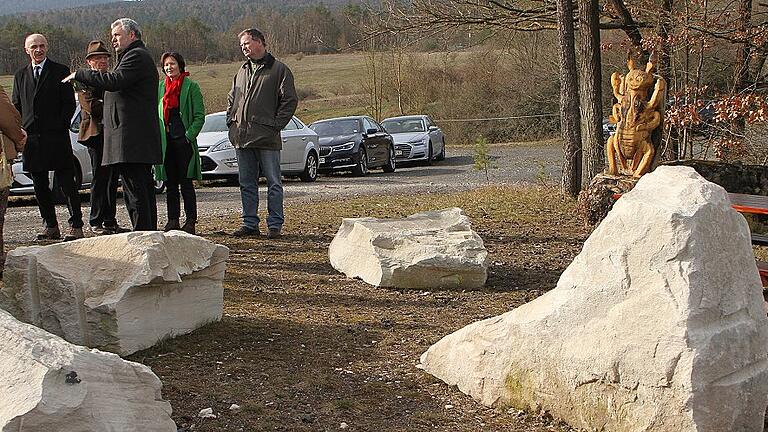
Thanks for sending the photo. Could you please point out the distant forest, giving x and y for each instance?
(8, 7)
(202, 30)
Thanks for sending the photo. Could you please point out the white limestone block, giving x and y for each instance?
(657, 325)
(434, 249)
(120, 293)
(49, 384)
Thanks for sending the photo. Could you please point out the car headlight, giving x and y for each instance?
(224, 145)
(422, 141)
(344, 147)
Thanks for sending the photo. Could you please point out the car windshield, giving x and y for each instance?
(215, 123)
(404, 125)
(336, 127)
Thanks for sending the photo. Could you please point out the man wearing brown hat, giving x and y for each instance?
(131, 129)
(91, 135)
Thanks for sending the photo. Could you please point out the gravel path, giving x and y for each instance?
(511, 164)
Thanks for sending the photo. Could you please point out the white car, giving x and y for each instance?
(22, 181)
(417, 138)
(219, 160)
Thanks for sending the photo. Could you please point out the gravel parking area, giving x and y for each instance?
(511, 163)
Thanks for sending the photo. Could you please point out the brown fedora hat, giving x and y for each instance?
(96, 47)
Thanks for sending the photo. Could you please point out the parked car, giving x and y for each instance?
(22, 180)
(355, 143)
(608, 129)
(417, 138)
(219, 159)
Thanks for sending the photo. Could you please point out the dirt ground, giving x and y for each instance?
(302, 348)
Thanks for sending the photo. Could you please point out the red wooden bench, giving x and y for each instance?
(754, 204)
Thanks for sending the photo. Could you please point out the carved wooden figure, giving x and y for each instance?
(636, 117)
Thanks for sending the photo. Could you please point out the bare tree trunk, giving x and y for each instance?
(630, 28)
(569, 100)
(741, 73)
(373, 83)
(664, 69)
(756, 66)
(397, 71)
(590, 93)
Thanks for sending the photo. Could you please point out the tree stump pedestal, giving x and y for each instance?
(598, 198)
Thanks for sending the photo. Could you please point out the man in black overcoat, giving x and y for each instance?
(131, 129)
(46, 105)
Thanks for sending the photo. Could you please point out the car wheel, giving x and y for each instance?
(59, 197)
(361, 168)
(310, 168)
(390, 166)
(430, 155)
(441, 155)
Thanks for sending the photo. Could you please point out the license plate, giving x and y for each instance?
(322, 160)
(398, 152)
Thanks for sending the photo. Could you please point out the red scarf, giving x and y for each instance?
(171, 96)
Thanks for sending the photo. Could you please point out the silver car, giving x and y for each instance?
(218, 158)
(417, 138)
(22, 182)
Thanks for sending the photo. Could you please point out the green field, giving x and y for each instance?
(330, 85)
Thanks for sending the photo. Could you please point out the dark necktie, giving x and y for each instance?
(37, 73)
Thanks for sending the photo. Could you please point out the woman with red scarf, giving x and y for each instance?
(182, 115)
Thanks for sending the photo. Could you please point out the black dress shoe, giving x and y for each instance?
(115, 229)
(244, 231)
(189, 226)
(172, 224)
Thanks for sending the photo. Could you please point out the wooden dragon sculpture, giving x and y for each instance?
(636, 117)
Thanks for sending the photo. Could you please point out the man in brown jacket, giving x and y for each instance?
(262, 101)
(13, 139)
(91, 135)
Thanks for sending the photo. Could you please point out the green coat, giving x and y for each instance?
(192, 113)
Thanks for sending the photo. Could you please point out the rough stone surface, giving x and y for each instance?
(657, 325)
(119, 293)
(435, 249)
(49, 384)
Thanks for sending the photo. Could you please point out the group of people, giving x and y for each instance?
(139, 127)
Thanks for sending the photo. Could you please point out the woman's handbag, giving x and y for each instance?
(6, 172)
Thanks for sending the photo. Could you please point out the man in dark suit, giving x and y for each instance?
(131, 129)
(46, 106)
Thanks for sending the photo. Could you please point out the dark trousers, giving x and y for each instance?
(178, 154)
(103, 189)
(65, 179)
(3, 207)
(139, 194)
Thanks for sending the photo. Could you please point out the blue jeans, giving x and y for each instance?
(252, 164)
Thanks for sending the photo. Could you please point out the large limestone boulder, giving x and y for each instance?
(434, 249)
(657, 325)
(49, 384)
(119, 293)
